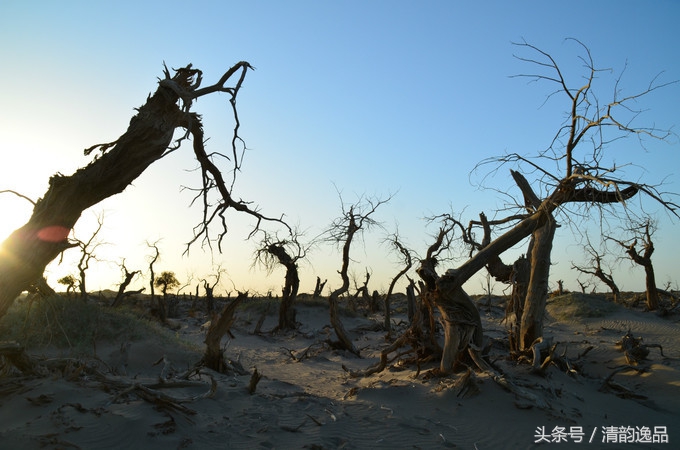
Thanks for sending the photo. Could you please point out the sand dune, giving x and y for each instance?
(311, 402)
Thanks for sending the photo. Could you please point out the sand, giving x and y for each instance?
(307, 400)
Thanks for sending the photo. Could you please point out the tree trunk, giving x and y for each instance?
(461, 321)
(652, 293)
(219, 326)
(531, 326)
(121, 289)
(318, 289)
(287, 311)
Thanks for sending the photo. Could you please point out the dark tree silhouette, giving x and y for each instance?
(355, 219)
(127, 279)
(149, 137)
(87, 254)
(288, 253)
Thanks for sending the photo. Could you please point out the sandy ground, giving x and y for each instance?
(311, 402)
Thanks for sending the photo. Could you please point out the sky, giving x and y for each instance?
(348, 100)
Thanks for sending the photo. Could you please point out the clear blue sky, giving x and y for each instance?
(374, 98)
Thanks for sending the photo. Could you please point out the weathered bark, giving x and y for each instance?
(461, 321)
(531, 326)
(219, 326)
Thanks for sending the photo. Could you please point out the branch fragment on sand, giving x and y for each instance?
(634, 350)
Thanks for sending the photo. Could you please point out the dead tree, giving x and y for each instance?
(318, 288)
(149, 137)
(209, 291)
(581, 177)
(355, 219)
(595, 269)
(128, 277)
(87, 254)
(365, 295)
(407, 263)
(645, 259)
(219, 326)
(153, 259)
(288, 253)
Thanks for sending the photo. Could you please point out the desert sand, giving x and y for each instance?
(305, 399)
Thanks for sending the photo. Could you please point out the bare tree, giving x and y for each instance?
(643, 232)
(87, 254)
(318, 288)
(595, 269)
(578, 175)
(210, 289)
(355, 219)
(287, 252)
(407, 263)
(27, 251)
(153, 259)
(127, 279)
(219, 326)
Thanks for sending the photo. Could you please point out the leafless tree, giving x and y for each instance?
(219, 326)
(595, 269)
(287, 252)
(153, 259)
(407, 263)
(128, 277)
(643, 233)
(354, 220)
(149, 137)
(318, 288)
(572, 171)
(210, 289)
(87, 254)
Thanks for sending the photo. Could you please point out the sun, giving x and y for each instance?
(16, 210)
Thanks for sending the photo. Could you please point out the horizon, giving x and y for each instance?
(351, 101)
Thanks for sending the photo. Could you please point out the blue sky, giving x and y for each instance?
(368, 98)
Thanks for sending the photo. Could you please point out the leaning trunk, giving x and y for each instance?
(531, 327)
(219, 326)
(26, 252)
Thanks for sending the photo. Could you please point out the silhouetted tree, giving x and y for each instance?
(87, 254)
(286, 252)
(355, 219)
(127, 279)
(70, 282)
(166, 281)
(149, 137)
